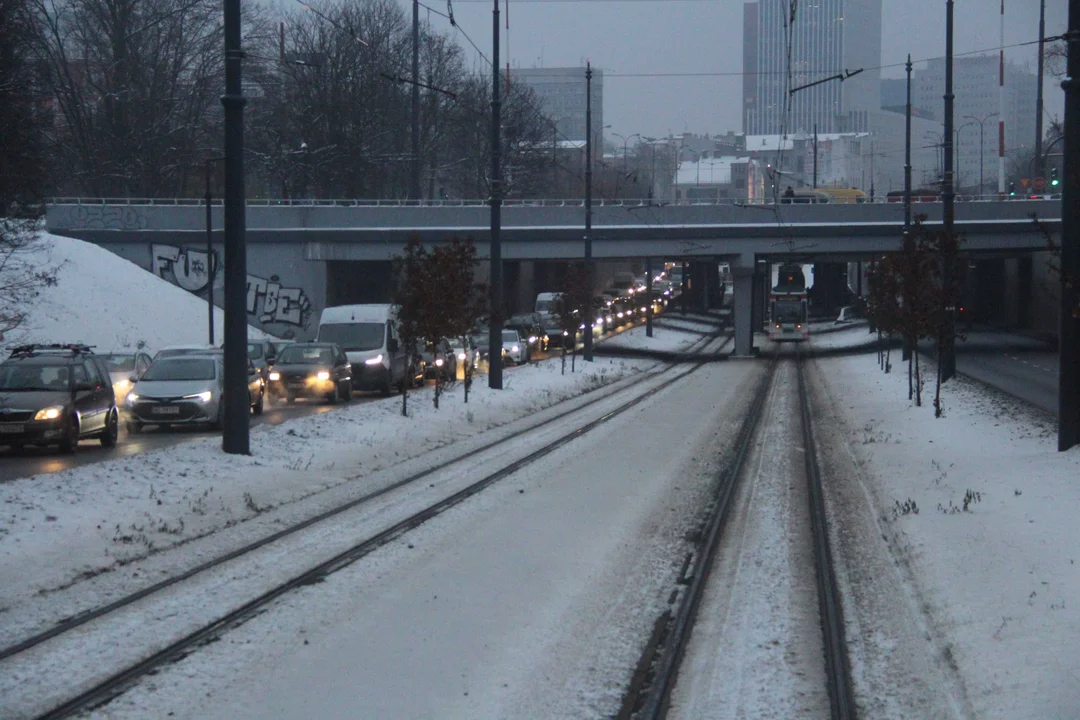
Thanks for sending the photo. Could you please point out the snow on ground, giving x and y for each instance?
(756, 650)
(103, 300)
(532, 599)
(987, 569)
(60, 527)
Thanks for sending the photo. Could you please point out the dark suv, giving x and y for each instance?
(56, 395)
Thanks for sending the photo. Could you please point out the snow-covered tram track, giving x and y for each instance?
(104, 651)
(744, 620)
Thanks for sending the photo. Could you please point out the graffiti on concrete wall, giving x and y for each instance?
(106, 217)
(268, 299)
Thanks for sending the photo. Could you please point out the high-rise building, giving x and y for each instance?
(976, 87)
(827, 38)
(561, 92)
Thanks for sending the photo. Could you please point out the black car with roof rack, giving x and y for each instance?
(56, 395)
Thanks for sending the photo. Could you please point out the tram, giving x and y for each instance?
(788, 305)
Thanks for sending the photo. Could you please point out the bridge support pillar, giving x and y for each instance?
(759, 290)
(745, 281)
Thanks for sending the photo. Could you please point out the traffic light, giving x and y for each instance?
(1054, 182)
(1012, 189)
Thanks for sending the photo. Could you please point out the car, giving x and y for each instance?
(310, 370)
(56, 395)
(514, 349)
(174, 350)
(437, 362)
(531, 330)
(465, 351)
(264, 351)
(186, 389)
(122, 364)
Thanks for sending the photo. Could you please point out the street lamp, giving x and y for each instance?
(980, 121)
(625, 140)
(956, 134)
(210, 269)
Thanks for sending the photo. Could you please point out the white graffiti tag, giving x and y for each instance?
(279, 304)
(188, 268)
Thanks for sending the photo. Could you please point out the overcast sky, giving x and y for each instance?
(705, 36)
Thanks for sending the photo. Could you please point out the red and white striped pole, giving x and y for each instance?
(1001, 107)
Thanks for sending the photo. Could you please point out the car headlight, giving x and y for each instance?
(516, 348)
(204, 396)
(461, 356)
(132, 397)
(438, 362)
(532, 339)
(121, 384)
(274, 376)
(374, 361)
(49, 413)
(322, 375)
(565, 333)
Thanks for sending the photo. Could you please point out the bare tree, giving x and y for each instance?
(22, 159)
(25, 269)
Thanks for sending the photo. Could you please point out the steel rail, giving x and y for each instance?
(666, 668)
(79, 619)
(118, 683)
(837, 663)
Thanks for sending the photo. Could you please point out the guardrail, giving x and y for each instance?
(512, 202)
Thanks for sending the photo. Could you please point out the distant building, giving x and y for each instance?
(830, 38)
(894, 98)
(975, 86)
(561, 92)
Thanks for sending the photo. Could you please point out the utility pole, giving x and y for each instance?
(907, 152)
(1069, 341)
(1040, 169)
(234, 436)
(588, 311)
(414, 167)
(648, 297)
(946, 345)
(495, 286)
(815, 156)
(1001, 107)
(211, 267)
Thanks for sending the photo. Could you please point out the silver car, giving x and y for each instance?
(185, 390)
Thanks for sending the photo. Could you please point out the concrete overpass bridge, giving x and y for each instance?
(305, 254)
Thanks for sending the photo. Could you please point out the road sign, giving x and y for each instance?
(1038, 183)
(1024, 182)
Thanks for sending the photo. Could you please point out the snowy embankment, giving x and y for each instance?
(67, 527)
(977, 512)
(103, 300)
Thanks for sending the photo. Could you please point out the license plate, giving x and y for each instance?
(12, 428)
(296, 383)
(165, 410)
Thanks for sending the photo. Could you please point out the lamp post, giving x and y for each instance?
(625, 140)
(980, 121)
(956, 184)
(210, 269)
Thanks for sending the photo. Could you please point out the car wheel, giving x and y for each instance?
(70, 444)
(112, 430)
(346, 392)
(334, 396)
(290, 399)
(258, 407)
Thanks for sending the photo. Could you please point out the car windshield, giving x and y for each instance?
(20, 376)
(119, 362)
(354, 336)
(174, 352)
(306, 356)
(787, 311)
(510, 336)
(543, 306)
(181, 368)
(255, 351)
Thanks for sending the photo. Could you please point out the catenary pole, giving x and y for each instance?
(209, 257)
(495, 366)
(414, 167)
(1001, 105)
(1069, 345)
(235, 438)
(946, 346)
(1040, 169)
(587, 312)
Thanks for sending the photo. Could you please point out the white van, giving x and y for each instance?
(546, 303)
(369, 336)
